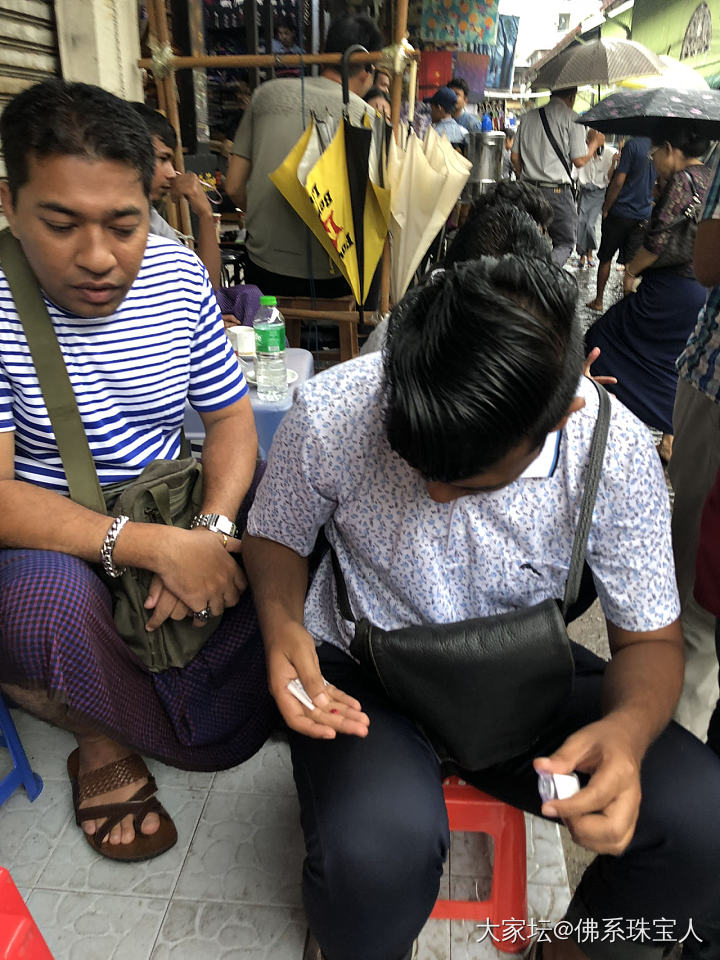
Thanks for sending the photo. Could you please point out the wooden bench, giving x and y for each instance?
(342, 313)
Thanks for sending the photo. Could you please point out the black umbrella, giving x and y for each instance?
(597, 62)
(642, 113)
(357, 154)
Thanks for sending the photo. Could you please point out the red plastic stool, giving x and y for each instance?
(472, 810)
(20, 939)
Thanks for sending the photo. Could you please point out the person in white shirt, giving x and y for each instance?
(593, 180)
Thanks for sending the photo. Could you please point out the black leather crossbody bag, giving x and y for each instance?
(483, 690)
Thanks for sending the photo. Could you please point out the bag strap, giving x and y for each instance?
(554, 144)
(592, 480)
(582, 529)
(52, 375)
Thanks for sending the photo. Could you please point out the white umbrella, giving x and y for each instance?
(675, 74)
(425, 181)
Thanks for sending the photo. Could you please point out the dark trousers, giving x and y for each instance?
(563, 229)
(376, 829)
(279, 285)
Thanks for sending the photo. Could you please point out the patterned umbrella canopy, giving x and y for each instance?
(641, 113)
(600, 62)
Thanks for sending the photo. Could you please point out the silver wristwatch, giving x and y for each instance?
(108, 545)
(215, 522)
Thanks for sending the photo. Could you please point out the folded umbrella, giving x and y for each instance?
(425, 179)
(600, 62)
(642, 113)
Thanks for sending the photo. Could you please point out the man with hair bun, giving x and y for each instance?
(447, 475)
(284, 258)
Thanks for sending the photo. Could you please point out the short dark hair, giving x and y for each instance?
(687, 137)
(157, 124)
(520, 194)
(459, 83)
(288, 22)
(57, 118)
(376, 92)
(350, 29)
(565, 93)
(503, 228)
(478, 359)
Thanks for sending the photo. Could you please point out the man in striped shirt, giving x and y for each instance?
(140, 332)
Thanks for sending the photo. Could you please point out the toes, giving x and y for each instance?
(151, 824)
(89, 827)
(116, 834)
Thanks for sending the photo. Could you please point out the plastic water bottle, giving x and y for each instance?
(270, 366)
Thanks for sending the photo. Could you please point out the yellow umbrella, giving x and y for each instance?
(351, 226)
(674, 74)
(286, 180)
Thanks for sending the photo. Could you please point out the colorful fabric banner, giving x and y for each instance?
(473, 67)
(502, 54)
(466, 23)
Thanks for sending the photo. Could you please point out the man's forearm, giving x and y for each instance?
(278, 577)
(613, 192)
(229, 458)
(40, 519)
(642, 685)
(208, 249)
(236, 180)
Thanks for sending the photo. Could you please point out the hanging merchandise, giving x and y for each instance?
(466, 23)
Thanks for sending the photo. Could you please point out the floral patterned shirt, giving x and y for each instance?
(699, 363)
(675, 198)
(407, 559)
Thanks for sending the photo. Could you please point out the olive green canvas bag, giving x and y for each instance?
(167, 491)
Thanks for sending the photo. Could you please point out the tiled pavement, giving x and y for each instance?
(230, 889)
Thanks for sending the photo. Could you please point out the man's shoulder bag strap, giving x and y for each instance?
(554, 144)
(52, 375)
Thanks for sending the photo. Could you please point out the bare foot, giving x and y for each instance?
(96, 752)
(595, 305)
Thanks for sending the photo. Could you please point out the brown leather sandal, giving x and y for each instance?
(113, 775)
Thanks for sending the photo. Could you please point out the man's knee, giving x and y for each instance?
(377, 878)
(45, 596)
(388, 848)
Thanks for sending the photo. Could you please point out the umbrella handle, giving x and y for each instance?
(345, 69)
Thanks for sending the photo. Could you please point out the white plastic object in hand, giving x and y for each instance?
(300, 693)
(557, 786)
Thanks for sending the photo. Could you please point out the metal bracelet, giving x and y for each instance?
(108, 545)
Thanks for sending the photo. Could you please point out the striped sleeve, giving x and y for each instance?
(6, 416)
(216, 378)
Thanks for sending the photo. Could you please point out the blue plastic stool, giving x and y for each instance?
(21, 774)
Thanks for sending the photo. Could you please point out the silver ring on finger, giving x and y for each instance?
(203, 615)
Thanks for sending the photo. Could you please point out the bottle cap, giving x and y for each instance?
(268, 301)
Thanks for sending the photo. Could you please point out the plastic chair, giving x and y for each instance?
(20, 938)
(472, 810)
(21, 774)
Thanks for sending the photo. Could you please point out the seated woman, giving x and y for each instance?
(642, 336)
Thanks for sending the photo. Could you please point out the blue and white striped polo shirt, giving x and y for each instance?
(131, 371)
